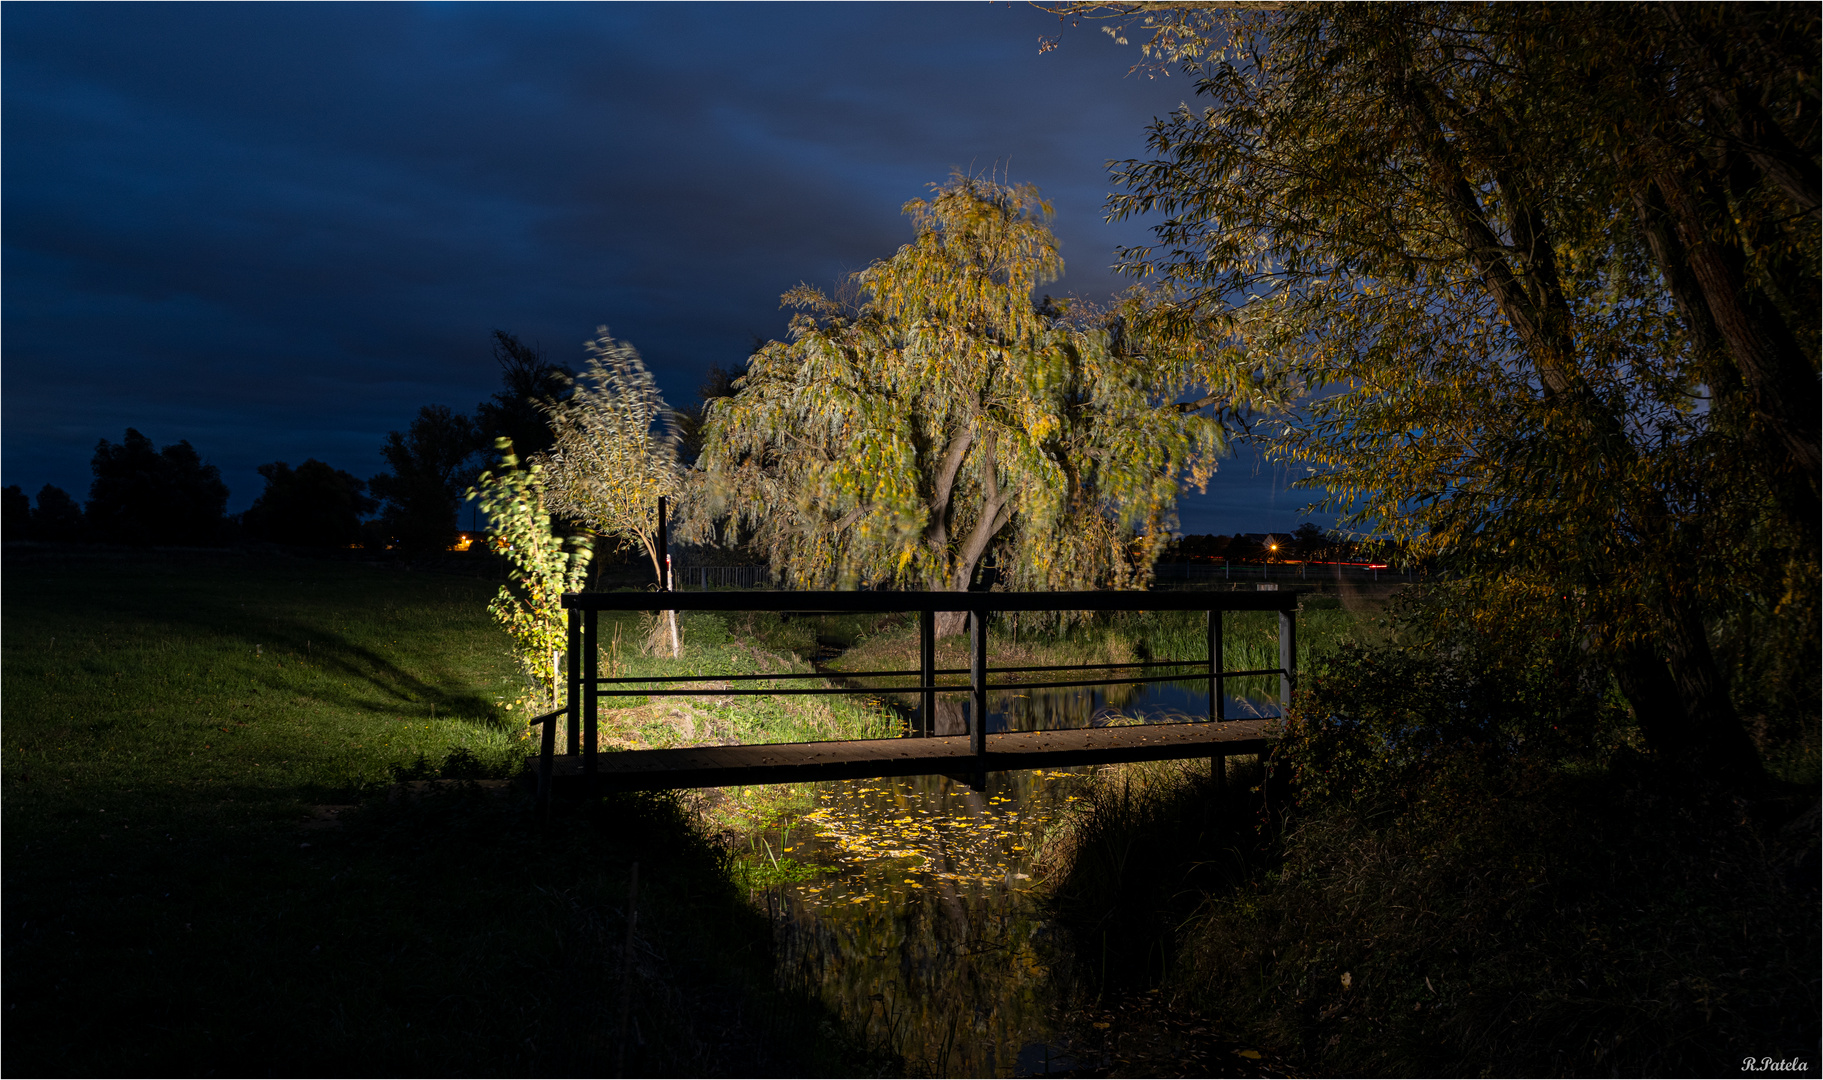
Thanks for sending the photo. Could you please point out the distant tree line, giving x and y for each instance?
(142, 495)
(1306, 542)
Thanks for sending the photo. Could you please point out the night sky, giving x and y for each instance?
(277, 230)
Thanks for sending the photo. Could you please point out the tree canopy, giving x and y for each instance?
(431, 463)
(545, 566)
(939, 413)
(516, 411)
(144, 496)
(1542, 282)
(615, 449)
(313, 505)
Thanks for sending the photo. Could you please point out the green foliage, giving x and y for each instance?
(703, 628)
(1468, 678)
(943, 416)
(545, 568)
(615, 450)
(460, 763)
(1535, 324)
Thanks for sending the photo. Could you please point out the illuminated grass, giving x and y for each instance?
(184, 895)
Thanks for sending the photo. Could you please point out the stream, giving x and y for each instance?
(923, 929)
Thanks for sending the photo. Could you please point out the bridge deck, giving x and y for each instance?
(949, 755)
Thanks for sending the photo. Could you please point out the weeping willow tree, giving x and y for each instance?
(1544, 283)
(941, 418)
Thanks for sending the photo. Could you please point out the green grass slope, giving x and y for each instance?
(209, 870)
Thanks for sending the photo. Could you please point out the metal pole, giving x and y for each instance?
(1215, 664)
(927, 672)
(977, 729)
(573, 661)
(1218, 763)
(663, 545)
(1288, 652)
(591, 665)
(547, 748)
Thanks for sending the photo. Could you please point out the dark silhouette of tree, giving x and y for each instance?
(58, 518)
(15, 513)
(312, 506)
(717, 383)
(1309, 541)
(513, 413)
(432, 464)
(146, 496)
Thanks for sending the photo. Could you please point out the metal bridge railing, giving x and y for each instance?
(587, 686)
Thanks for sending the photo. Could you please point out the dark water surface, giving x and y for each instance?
(925, 929)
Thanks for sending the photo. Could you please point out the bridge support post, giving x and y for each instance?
(1288, 654)
(591, 694)
(927, 672)
(548, 739)
(1218, 695)
(977, 729)
(572, 663)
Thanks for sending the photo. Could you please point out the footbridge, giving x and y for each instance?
(582, 767)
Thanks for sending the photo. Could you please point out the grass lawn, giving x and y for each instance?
(183, 894)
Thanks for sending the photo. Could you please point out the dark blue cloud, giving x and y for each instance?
(276, 230)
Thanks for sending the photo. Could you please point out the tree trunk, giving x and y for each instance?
(1681, 704)
(951, 623)
(1716, 736)
(952, 717)
(996, 511)
(1645, 681)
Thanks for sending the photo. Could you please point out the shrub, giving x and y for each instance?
(1378, 720)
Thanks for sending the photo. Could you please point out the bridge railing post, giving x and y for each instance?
(977, 729)
(1218, 696)
(927, 672)
(591, 663)
(547, 750)
(1288, 656)
(572, 662)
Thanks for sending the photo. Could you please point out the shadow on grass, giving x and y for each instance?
(439, 934)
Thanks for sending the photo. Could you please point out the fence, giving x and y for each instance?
(1163, 574)
(586, 685)
(721, 577)
(1167, 574)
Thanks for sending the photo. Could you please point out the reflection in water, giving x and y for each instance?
(924, 934)
(924, 931)
(1093, 706)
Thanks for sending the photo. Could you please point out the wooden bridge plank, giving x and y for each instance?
(781, 763)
